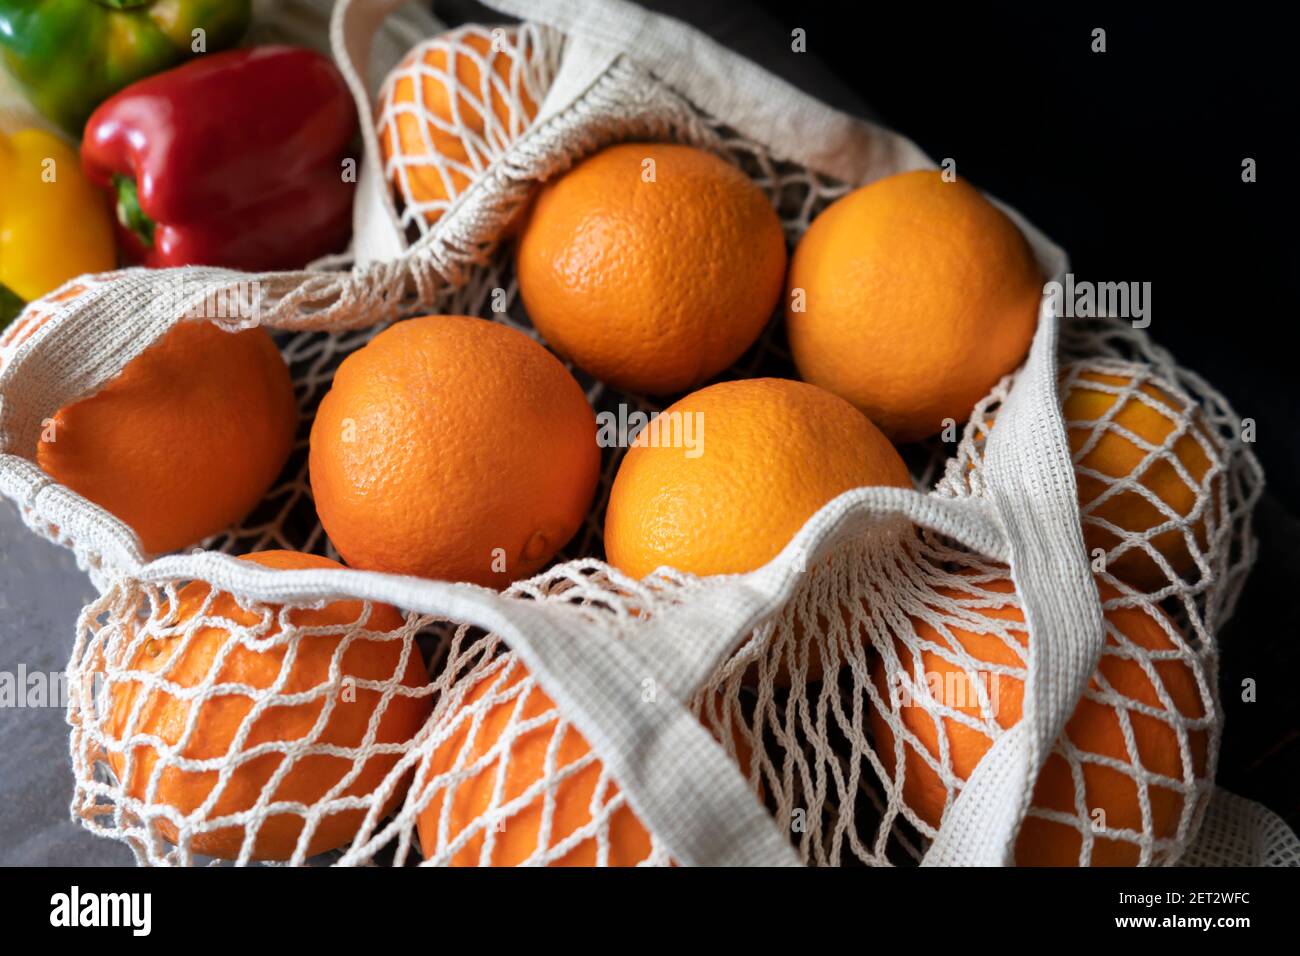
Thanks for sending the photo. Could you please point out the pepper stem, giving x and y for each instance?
(129, 213)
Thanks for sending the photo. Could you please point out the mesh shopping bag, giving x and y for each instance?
(778, 717)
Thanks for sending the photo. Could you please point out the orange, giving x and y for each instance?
(911, 297)
(185, 441)
(518, 837)
(187, 660)
(455, 448)
(651, 266)
(1095, 728)
(754, 460)
(1150, 416)
(436, 114)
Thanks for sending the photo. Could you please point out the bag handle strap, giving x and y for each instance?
(1033, 489)
(707, 817)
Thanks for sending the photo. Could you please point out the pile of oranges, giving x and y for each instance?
(457, 448)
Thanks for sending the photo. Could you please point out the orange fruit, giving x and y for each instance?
(518, 837)
(1173, 476)
(1095, 728)
(768, 454)
(456, 448)
(445, 113)
(652, 266)
(911, 297)
(188, 660)
(185, 441)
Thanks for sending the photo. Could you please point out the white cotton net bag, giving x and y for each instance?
(455, 103)
(778, 717)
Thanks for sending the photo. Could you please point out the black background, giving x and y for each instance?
(1131, 159)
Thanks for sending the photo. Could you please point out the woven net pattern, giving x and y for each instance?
(1238, 832)
(824, 708)
(241, 730)
(928, 653)
(453, 105)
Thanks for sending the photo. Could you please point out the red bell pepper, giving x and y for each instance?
(234, 159)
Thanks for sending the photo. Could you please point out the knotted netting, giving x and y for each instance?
(585, 717)
(454, 104)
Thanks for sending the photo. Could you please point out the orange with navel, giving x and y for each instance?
(455, 448)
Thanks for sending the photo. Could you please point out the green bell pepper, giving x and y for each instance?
(70, 55)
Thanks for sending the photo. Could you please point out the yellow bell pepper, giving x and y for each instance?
(53, 223)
